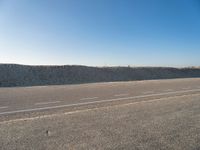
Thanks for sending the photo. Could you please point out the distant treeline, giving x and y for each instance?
(22, 75)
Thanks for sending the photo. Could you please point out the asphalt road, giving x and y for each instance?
(41, 100)
(142, 115)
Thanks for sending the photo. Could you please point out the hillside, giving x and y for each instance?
(22, 75)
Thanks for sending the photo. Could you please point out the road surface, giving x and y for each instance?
(51, 99)
(157, 114)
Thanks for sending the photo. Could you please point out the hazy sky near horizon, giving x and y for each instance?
(100, 32)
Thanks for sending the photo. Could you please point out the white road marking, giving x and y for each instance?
(88, 98)
(168, 90)
(96, 102)
(117, 95)
(95, 108)
(148, 92)
(42, 86)
(3, 107)
(186, 88)
(45, 103)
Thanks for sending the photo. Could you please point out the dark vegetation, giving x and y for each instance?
(22, 75)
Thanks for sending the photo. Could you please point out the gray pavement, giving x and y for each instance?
(159, 114)
(39, 98)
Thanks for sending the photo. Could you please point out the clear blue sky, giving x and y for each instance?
(100, 32)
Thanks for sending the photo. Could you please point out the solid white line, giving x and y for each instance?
(3, 107)
(88, 98)
(44, 103)
(96, 102)
(90, 109)
(117, 95)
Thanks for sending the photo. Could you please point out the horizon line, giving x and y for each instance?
(103, 66)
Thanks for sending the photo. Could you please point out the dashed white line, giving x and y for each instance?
(45, 103)
(118, 95)
(42, 86)
(186, 88)
(148, 92)
(168, 90)
(3, 107)
(88, 98)
(96, 102)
